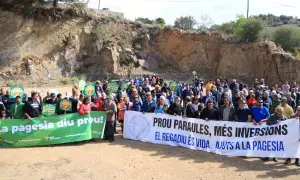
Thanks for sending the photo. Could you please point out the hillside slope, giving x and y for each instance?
(48, 48)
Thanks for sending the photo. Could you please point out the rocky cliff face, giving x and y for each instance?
(46, 50)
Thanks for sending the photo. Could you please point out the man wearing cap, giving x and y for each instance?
(287, 110)
(149, 105)
(17, 111)
(259, 113)
(111, 109)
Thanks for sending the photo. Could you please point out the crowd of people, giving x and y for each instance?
(218, 99)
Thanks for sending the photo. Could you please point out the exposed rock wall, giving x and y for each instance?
(78, 46)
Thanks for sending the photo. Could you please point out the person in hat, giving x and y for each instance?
(287, 110)
(111, 109)
(17, 111)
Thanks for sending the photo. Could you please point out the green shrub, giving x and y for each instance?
(248, 29)
(288, 38)
(69, 80)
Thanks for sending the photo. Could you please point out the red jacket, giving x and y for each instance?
(84, 109)
(99, 105)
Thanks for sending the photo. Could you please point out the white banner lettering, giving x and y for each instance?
(220, 137)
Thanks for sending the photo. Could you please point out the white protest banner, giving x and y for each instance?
(220, 137)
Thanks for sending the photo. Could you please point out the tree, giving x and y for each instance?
(288, 38)
(144, 20)
(205, 22)
(185, 22)
(160, 21)
(248, 29)
(227, 28)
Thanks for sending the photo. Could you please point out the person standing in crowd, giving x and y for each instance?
(33, 108)
(111, 109)
(297, 117)
(259, 113)
(17, 111)
(251, 100)
(75, 91)
(149, 105)
(243, 113)
(189, 109)
(290, 101)
(85, 107)
(98, 89)
(161, 106)
(4, 115)
(2, 107)
(136, 105)
(210, 112)
(52, 99)
(275, 103)
(121, 108)
(176, 109)
(227, 111)
(287, 110)
(285, 88)
(267, 100)
(47, 97)
(275, 119)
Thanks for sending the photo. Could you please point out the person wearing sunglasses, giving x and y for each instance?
(260, 113)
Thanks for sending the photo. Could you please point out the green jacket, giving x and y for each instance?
(17, 111)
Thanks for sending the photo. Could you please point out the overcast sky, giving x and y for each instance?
(219, 10)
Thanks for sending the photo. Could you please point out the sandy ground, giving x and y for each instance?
(126, 159)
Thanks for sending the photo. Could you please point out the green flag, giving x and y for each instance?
(113, 86)
(48, 110)
(16, 91)
(52, 130)
(89, 90)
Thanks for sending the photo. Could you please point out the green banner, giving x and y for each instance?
(16, 91)
(48, 110)
(65, 105)
(89, 90)
(81, 85)
(52, 130)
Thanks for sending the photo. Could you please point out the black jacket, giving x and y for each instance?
(210, 114)
(175, 108)
(33, 109)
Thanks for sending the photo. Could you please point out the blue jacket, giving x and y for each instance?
(146, 107)
(137, 106)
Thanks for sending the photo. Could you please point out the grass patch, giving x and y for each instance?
(69, 80)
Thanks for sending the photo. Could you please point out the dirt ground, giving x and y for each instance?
(126, 159)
